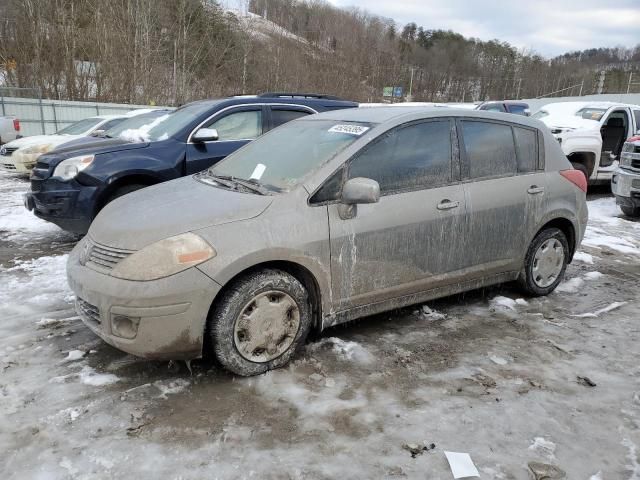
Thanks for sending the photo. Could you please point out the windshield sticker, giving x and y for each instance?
(258, 172)
(350, 129)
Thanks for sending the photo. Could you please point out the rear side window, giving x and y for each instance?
(490, 149)
(278, 117)
(493, 107)
(416, 156)
(518, 109)
(527, 144)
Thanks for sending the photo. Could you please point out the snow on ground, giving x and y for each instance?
(489, 373)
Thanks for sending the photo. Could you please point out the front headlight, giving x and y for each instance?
(625, 160)
(44, 148)
(164, 258)
(69, 168)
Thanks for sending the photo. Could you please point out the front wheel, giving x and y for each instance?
(545, 262)
(259, 322)
(630, 211)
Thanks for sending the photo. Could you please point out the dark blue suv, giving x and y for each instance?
(69, 186)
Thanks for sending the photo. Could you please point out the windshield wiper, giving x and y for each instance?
(232, 182)
(252, 184)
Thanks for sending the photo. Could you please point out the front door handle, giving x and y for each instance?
(447, 204)
(534, 190)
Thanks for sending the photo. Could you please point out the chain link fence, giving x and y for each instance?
(40, 116)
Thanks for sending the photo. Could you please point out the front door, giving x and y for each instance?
(407, 241)
(236, 127)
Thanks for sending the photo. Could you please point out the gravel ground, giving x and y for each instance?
(509, 380)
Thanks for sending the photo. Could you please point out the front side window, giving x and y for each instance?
(527, 143)
(416, 156)
(244, 125)
(493, 107)
(490, 149)
(636, 114)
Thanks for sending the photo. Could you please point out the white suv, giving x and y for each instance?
(625, 183)
(591, 134)
(9, 129)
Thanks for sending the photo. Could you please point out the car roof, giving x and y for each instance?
(397, 115)
(284, 99)
(588, 104)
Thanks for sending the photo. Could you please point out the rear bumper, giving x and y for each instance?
(169, 313)
(625, 185)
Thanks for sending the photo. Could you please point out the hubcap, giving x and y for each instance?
(548, 262)
(267, 326)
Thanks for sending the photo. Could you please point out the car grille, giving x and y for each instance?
(9, 166)
(105, 258)
(8, 151)
(87, 311)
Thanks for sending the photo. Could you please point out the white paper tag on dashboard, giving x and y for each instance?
(350, 129)
(258, 172)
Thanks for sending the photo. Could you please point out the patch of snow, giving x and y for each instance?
(596, 476)
(350, 351)
(593, 275)
(543, 447)
(141, 134)
(570, 286)
(427, 312)
(171, 387)
(503, 302)
(498, 360)
(89, 376)
(583, 257)
(599, 312)
(633, 466)
(522, 302)
(74, 355)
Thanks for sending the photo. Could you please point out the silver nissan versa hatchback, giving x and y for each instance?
(323, 220)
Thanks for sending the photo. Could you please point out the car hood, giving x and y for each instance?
(570, 121)
(171, 208)
(40, 140)
(95, 147)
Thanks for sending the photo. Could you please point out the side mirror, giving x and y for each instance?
(97, 133)
(205, 135)
(355, 191)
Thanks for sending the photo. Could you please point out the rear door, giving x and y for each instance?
(409, 239)
(505, 193)
(236, 127)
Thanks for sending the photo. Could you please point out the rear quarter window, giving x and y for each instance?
(490, 149)
(527, 147)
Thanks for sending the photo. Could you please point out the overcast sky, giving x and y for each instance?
(550, 27)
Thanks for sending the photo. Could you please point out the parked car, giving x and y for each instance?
(70, 186)
(129, 129)
(324, 220)
(592, 134)
(20, 156)
(503, 106)
(625, 182)
(9, 129)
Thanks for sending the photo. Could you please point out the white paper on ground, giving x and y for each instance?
(461, 465)
(258, 171)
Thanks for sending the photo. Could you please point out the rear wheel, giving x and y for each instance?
(582, 168)
(545, 262)
(630, 211)
(259, 322)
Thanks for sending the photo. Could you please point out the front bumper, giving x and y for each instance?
(70, 205)
(625, 185)
(17, 163)
(171, 312)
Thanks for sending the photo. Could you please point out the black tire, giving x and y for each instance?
(582, 168)
(630, 211)
(526, 279)
(236, 299)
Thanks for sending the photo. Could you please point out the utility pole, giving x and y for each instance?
(518, 92)
(603, 74)
(410, 96)
(629, 84)
(581, 86)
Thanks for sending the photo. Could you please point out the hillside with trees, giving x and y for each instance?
(173, 51)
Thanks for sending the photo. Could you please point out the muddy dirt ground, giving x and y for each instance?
(508, 379)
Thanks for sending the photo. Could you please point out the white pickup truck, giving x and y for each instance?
(592, 134)
(9, 129)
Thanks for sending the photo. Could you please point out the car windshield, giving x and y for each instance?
(540, 114)
(135, 123)
(283, 157)
(80, 127)
(175, 121)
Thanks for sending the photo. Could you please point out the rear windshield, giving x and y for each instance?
(284, 156)
(80, 127)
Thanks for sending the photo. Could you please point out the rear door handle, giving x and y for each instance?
(534, 189)
(448, 204)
